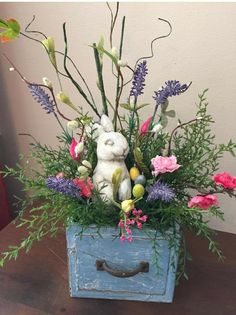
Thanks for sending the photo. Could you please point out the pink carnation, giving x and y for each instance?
(225, 179)
(145, 126)
(72, 150)
(164, 164)
(203, 202)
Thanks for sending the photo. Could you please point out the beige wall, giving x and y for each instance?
(202, 49)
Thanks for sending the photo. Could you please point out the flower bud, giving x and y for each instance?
(82, 170)
(50, 46)
(127, 205)
(73, 124)
(87, 164)
(79, 148)
(122, 63)
(47, 82)
(157, 128)
(61, 96)
(64, 98)
(114, 52)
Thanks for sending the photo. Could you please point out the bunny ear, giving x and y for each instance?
(106, 123)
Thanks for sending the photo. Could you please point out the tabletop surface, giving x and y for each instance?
(37, 283)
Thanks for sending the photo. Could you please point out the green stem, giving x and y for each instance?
(118, 86)
(72, 79)
(100, 79)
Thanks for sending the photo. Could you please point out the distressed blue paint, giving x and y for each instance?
(86, 281)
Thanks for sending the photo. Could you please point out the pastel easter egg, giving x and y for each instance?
(134, 173)
(138, 191)
(141, 179)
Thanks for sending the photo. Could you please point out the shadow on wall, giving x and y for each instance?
(8, 145)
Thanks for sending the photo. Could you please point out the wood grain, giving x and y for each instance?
(37, 283)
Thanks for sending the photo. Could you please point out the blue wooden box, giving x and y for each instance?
(101, 266)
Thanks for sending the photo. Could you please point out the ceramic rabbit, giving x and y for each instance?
(112, 149)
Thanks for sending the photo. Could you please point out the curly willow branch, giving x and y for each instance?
(151, 47)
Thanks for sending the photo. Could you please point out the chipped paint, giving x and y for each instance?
(87, 281)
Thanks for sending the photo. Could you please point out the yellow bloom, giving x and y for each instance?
(127, 205)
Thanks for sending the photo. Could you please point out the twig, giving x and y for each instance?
(41, 85)
(72, 79)
(100, 79)
(113, 20)
(119, 87)
(204, 192)
(151, 48)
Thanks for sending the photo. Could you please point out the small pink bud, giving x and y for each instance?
(128, 231)
(139, 225)
(121, 224)
(60, 175)
(145, 126)
(130, 239)
(122, 238)
(143, 218)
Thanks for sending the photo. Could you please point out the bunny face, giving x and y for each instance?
(112, 146)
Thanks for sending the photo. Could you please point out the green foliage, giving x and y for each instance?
(50, 211)
(10, 29)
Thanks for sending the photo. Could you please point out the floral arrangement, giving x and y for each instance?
(113, 169)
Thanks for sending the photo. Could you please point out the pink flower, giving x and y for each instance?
(145, 126)
(128, 230)
(85, 185)
(143, 218)
(225, 179)
(73, 154)
(121, 224)
(60, 175)
(139, 225)
(130, 221)
(122, 238)
(203, 202)
(130, 239)
(164, 164)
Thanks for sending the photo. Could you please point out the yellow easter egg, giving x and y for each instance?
(138, 191)
(134, 173)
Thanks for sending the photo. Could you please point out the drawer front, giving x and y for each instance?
(87, 281)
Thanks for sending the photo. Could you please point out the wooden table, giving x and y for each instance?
(37, 283)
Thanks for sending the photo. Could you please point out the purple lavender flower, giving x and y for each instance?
(172, 88)
(138, 80)
(42, 98)
(64, 186)
(160, 191)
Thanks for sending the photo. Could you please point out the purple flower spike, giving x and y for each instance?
(172, 88)
(138, 80)
(42, 98)
(160, 191)
(64, 186)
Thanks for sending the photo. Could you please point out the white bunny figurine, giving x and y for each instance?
(112, 149)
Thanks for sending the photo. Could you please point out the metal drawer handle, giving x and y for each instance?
(102, 266)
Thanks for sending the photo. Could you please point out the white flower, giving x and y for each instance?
(79, 148)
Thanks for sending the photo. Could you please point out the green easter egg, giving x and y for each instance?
(138, 191)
